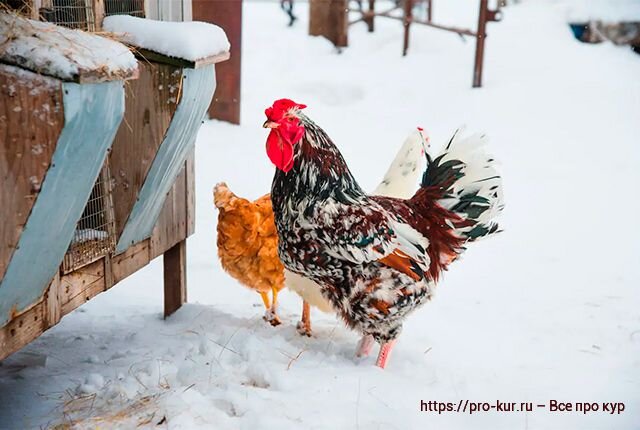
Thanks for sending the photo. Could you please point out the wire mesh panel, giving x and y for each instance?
(21, 6)
(124, 7)
(77, 14)
(95, 234)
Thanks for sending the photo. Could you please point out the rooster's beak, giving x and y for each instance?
(270, 124)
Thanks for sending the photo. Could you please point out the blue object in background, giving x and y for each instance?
(579, 29)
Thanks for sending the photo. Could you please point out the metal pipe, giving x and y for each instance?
(461, 31)
(480, 37)
(408, 10)
(371, 15)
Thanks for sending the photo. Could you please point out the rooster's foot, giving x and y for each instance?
(365, 346)
(385, 351)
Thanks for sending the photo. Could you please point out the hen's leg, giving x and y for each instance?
(271, 314)
(364, 346)
(304, 325)
(265, 299)
(385, 351)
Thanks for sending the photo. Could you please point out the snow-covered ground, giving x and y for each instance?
(546, 310)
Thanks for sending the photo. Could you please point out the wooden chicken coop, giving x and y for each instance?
(96, 162)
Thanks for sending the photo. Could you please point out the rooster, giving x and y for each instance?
(247, 238)
(400, 181)
(376, 259)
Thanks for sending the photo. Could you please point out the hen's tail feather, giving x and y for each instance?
(469, 185)
(401, 178)
(222, 195)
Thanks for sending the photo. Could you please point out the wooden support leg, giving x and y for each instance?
(52, 299)
(175, 278)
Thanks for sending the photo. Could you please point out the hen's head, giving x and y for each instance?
(286, 131)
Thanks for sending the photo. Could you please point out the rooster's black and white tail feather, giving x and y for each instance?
(470, 184)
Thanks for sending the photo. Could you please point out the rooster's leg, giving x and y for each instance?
(304, 325)
(271, 314)
(385, 351)
(364, 346)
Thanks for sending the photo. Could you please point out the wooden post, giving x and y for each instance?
(175, 277)
(370, 16)
(408, 17)
(330, 19)
(429, 10)
(98, 11)
(480, 37)
(228, 15)
(35, 9)
(318, 16)
(339, 22)
(52, 299)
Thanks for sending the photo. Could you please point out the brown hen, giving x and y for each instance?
(248, 245)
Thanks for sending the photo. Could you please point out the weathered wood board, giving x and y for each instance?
(81, 285)
(198, 86)
(74, 289)
(150, 102)
(171, 227)
(32, 102)
(92, 114)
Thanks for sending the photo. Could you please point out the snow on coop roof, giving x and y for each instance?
(191, 41)
(70, 55)
(33, 81)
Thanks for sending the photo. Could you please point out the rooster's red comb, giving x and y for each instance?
(280, 107)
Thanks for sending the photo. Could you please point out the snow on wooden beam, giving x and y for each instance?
(156, 57)
(183, 44)
(69, 55)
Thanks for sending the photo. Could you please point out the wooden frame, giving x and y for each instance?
(67, 292)
(152, 161)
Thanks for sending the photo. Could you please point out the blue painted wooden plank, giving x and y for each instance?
(197, 90)
(92, 114)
